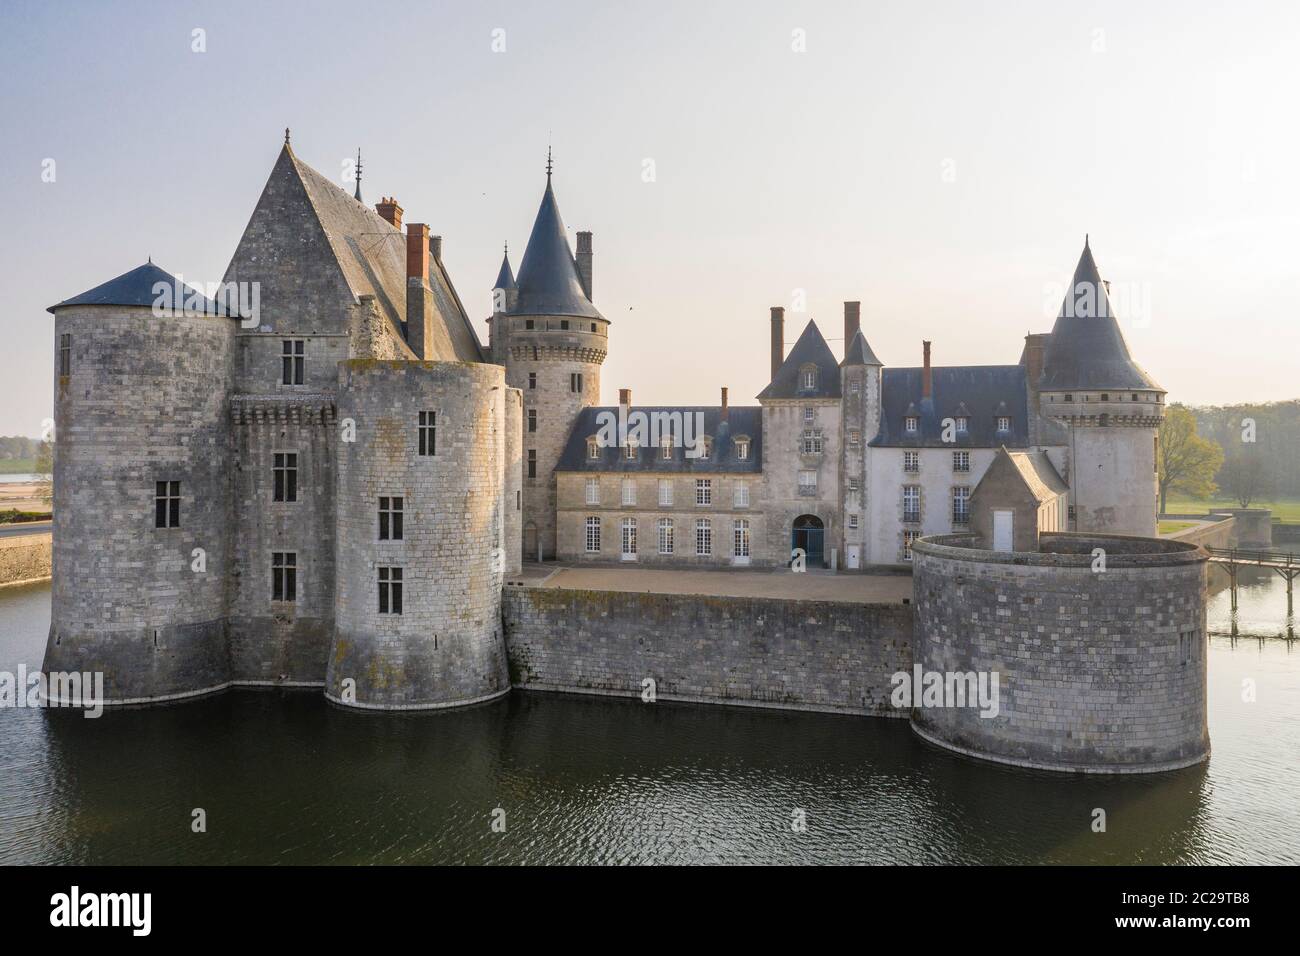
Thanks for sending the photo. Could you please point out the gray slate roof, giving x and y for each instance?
(744, 420)
(810, 349)
(859, 352)
(136, 288)
(1087, 349)
(548, 275)
(986, 391)
(506, 277)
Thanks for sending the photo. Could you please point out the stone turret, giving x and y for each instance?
(552, 340)
(860, 387)
(1110, 406)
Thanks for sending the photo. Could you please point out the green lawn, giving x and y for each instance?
(17, 466)
(1284, 509)
(1173, 527)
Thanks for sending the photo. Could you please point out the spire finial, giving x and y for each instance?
(286, 136)
(1085, 240)
(357, 194)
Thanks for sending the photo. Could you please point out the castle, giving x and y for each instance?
(334, 493)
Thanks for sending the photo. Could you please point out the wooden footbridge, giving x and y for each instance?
(1287, 565)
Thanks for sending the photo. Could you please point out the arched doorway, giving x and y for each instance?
(809, 533)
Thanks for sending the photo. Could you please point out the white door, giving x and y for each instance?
(629, 539)
(851, 554)
(1003, 522)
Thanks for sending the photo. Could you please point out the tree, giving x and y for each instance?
(1186, 461)
(1243, 475)
(44, 469)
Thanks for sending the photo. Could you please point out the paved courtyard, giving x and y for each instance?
(809, 586)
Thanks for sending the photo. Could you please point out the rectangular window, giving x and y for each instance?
(908, 538)
(704, 491)
(528, 324)
(961, 461)
(284, 576)
(390, 590)
(285, 469)
(575, 381)
(742, 449)
(853, 484)
(532, 463)
(532, 379)
(703, 536)
(740, 495)
(665, 535)
(390, 519)
(812, 441)
(855, 438)
(910, 424)
(65, 354)
(167, 504)
(911, 461)
(665, 492)
(564, 325)
(911, 502)
(428, 433)
(629, 491)
(853, 522)
(960, 505)
(809, 415)
(593, 535)
(1004, 424)
(628, 539)
(740, 535)
(593, 449)
(291, 359)
(807, 482)
(629, 450)
(532, 419)
(593, 491)
(962, 423)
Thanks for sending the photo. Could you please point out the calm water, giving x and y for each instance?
(286, 778)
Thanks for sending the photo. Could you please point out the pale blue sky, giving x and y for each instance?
(1169, 136)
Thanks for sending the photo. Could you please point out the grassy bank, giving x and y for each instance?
(1284, 509)
(17, 466)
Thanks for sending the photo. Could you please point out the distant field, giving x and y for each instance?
(1284, 509)
(17, 466)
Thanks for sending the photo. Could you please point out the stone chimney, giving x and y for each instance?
(419, 297)
(583, 259)
(927, 390)
(724, 403)
(435, 247)
(390, 211)
(852, 322)
(778, 338)
(625, 397)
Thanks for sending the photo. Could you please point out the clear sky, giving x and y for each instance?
(941, 162)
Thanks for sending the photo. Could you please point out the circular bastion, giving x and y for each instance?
(1096, 645)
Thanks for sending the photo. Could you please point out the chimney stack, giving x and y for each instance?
(625, 397)
(417, 250)
(852, 321)
(435, 246)
(926, 390)
(583, 260)
(390, 211)
(419, 298)
(724, 403)
(778, 338)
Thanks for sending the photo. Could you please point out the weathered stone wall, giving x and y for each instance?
(513, 527)
(1113, 479)
(765, 652)
(445, 648)
(779, 498)
(1100, 672)
(25, 557)
(1220, 532)
(145, 402)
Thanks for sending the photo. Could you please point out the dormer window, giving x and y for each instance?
(962, 423)
(593, 449)
(666, 448)
(1004, 423)
(808, 378)
(910, 424)
(706, 446)
(629, 451)
(742, 449)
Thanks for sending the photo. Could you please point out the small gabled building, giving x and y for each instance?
(1020, 496)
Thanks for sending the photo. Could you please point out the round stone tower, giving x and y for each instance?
(421, 499)
(142, 508)
(1111, 408)
(552, 341)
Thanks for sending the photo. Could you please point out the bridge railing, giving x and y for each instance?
(1282, 559)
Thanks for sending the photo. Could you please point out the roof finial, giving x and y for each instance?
(548, 162)
(1085, 240)
(357, 194)
(286, 136)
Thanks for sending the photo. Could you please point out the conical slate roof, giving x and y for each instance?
(1087, 349)
(859, 352)
(548, 276)
(506, 277)
(811, 349)
(137, 288)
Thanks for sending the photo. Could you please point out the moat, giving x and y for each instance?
(285, 777)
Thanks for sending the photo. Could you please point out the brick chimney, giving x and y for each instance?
(778, 338)
(724, 403)
(625, 397)
(926, 389)
(852, 321)
(389, 210)
(419, 297)
(583, 259)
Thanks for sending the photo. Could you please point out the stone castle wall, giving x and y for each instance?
(1100, 672)
(445, 648)
(764, 652)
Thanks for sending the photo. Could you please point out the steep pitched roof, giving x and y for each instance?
(138, 288)
(548, 275)
(981, 392)
(1087, 349)
(811, 349)
(1033, 469)
(744, 420)
(365, 253)
(859, 352)
(505, 277)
